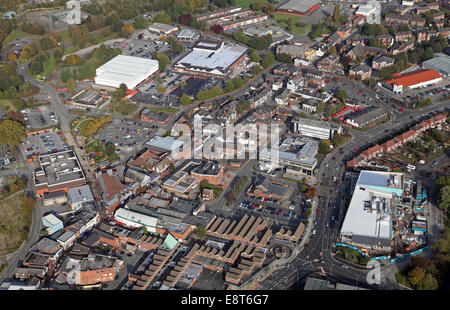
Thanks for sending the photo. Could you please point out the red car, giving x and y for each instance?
(318, 210)
(401, 110)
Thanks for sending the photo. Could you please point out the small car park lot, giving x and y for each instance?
(7, 159)
(43, 143)
(124, 133)
(39, 117)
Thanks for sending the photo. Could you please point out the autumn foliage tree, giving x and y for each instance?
(12, 57)
(11, 132)
(29, 51)
(217, 29)
(311, 193)
(72, 60)
(416, 275)
(127, 30)
(185, 19)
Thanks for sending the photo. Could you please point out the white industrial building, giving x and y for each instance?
(162, 28)
(368, 222)
(316, 129)
(125, 69)
(370, 11)
(297, 156)
(212, 58)
(133, 219)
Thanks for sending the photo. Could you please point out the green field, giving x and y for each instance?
(15, 217)
(122, 107)
(70, 49)
(7, 105)
(163, 109)
(49, 66)
(282, 19)
(15, 34)
(65, 37)
(246, 3)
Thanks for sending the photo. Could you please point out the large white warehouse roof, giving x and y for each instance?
(125, 69)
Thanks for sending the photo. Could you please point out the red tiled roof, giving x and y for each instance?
(441, 116)
(112, 186)
(388, 144)
(414, 78)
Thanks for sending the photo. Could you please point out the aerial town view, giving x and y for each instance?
(224, 145)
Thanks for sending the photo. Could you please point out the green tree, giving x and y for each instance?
(11, 93)
(229, 86)
(201, 232)
(110, 149)
(286, 58)
(428, 53)
(243, 106)
(324, 146)
(11, 133)
(254, 57)
(341, 95)
(163, 60)
(429, 283)
(256, 69)
(332, 50)
(185, 99)
(36, 68)
(71, 84)
(337, 13)
(117, 26)
(163, 18)
(140, 23)
(268, 60)
(161, 89)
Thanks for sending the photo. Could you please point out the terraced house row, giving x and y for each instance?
(399, 140)
(245, 267)
(249, 229)
(160, 258)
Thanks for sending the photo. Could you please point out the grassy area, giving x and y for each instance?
(65, 37)
(246, 3)
(400, 277)
(122, 107)
(351, 255)
(293, 180)
(100, 152)
(216, 189)
(15, 222)
(70, 50)
(99, 39)
(7, 105)
(81, 125)
(15, 34)
(282, 19)
(163, 109)
(49, 66)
